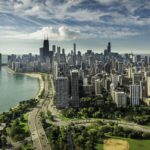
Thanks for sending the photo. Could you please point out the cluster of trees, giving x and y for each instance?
(124, 132)
(86, 137)
(3, 141)
(108, 110)
(12, 118)
(16, 132)
(57, 137)
(81, 137)
(22, 108)
(77, 137)
(142, 120)
(104, 111)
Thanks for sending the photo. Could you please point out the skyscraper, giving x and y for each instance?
(46, 47)
(74, 54)
(44, 51)
(109, 47)
(97, 87)
(120, 99)
(74, 102)
(148, 86)
(134, 94)
(114, 79)
(62, 92)
(54, 48)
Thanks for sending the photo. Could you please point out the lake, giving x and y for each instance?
(15, 88)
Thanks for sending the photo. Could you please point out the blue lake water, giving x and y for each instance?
(15, 88)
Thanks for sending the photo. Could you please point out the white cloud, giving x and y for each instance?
(58, 15)
(61, 33)
(107, 1)
(36, 10)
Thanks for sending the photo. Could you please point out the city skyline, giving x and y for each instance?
(90, 24)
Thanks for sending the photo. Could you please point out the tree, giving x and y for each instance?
(3, 141)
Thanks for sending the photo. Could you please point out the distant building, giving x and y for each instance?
(136, 78)
(87, 89)
(120, 99)
(134, 94)
(44, 51)
(74, 102)
(62, 92)
(120, 67)
(109, 47)
(114, 79)
(108, 50)
(54, 48)
(74, 54)
(97, 87)
(148, 86)
(143, 90)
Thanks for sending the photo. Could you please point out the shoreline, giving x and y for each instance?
(31, 75)
(40, 80)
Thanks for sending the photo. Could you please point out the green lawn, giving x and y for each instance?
(139, 144)
(133, 144)
(99, 147)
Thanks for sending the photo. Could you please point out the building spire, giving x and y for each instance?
(44, 36)
(47, 35)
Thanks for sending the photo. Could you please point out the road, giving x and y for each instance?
(39, 138)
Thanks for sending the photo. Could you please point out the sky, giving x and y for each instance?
(88, 23)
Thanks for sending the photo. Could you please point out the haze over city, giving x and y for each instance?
(89, 23)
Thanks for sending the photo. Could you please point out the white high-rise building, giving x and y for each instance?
(55, 69)
(148, 86)
(97, 87)
(62, 92)
(85, 81)
(134, 94)
(114, 79)
(120, 99)
(74, 88)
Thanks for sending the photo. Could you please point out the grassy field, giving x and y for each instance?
(99, 147)
(133, 144)
(139, 144)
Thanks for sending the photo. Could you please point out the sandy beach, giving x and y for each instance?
(41, 82)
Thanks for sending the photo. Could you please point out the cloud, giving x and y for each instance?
(61, 33)
(71, 19)
(36, 10)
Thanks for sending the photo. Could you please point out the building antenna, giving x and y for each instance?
(44, 36)
(47, 35)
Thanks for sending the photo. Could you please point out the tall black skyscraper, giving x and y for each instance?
(74, 54)
(46, 48)
(109, 47)
(44, 51)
